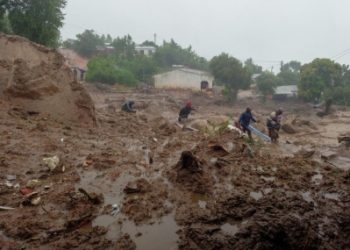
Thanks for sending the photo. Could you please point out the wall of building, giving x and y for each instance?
(182, 79)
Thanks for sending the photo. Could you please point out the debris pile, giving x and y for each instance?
(36, 78)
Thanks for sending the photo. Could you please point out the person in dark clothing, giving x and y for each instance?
(128, 107)
(244, 121)
(185, 111)
(274, 124)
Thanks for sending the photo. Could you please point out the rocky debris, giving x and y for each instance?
(138, 186)
(189, 162)
(189, 173)
(94, 198)
(288, 128)
(125, 243)
(37, 79)
(305, 153)
(345, 140)
(306, 123)
(148, 202)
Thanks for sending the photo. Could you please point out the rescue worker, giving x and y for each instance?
(274, 124)
(185, 111)
(128, 107)
(244, 121)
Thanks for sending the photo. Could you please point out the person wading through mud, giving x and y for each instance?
(244, 121)
(274, 124)
(128, 107)
(185, 111)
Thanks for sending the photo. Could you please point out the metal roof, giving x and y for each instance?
(286, 90)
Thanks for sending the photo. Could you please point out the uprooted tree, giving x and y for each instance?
(229, 72)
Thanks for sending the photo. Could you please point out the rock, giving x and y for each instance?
(138, 186)
(36, 201)
(200, 124)
(51, 162)
(288, 128)
(33, 183)
(328, 155)
(190, 162)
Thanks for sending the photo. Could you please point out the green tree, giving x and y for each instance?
(230, 72)
(141, 66)
(318, 77)
(86, 43)
(4, 21)
(149, 43)
(38, 20)
(289, 73)
(171, 53)
(105, 70)
(266, 84)
(251, 67)
(124, 47)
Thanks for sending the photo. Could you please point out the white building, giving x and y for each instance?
(145, 50)
(184, 78)
(284, 92)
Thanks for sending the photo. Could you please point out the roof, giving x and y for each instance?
(142, 47)
(187, 70)
(286, 90)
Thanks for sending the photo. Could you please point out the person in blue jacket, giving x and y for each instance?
(244, 121)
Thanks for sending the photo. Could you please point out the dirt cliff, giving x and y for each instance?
(36, 78)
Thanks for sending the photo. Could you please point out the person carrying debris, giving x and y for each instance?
(128, 107)
(274, 124)
(185, 111)
(244, 121)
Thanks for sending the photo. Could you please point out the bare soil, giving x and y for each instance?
(174, 188)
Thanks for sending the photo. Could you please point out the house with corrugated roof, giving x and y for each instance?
(184, 78)
(284, 92)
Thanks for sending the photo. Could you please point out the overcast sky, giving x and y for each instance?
(266, 30)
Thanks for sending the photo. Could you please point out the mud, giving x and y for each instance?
(36, 79)
(161, 187)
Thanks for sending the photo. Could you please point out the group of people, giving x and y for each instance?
(273, 122)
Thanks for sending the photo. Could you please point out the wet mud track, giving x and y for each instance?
(140, 182)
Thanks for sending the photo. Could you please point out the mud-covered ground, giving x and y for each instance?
(139, 181)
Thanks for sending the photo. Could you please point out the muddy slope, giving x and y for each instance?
(35, 78)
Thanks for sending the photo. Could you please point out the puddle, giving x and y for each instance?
(229, 229)
(317, 178)
(161, 235)
(256, 195)
(332, 196)
(111, 190)
(307, 196)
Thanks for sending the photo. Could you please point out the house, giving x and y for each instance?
(284, 92)
(145, 50)
(184, 78)
(254, 77)
(77, 63)
(105, 49)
